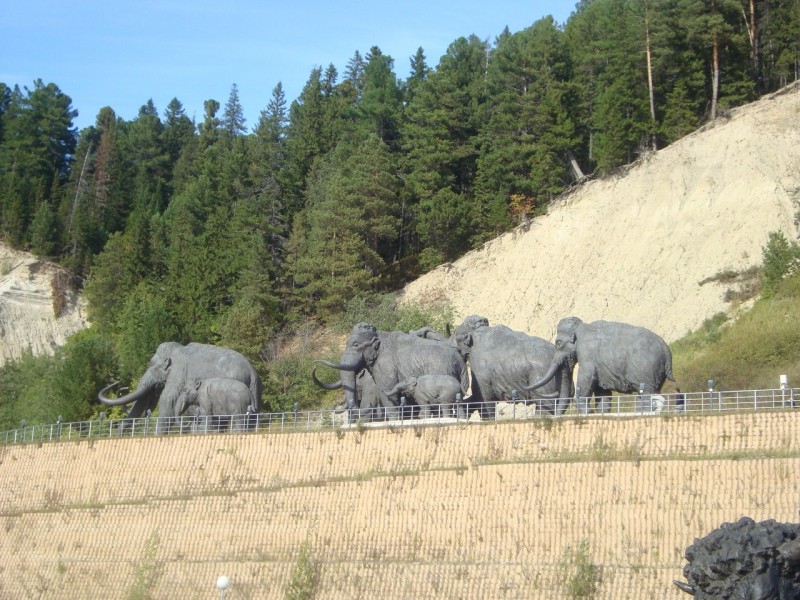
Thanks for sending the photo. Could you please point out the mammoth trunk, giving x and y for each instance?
(349, 386)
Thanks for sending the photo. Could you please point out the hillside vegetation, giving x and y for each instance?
(608, 200)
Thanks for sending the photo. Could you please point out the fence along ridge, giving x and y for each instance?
(629, 406)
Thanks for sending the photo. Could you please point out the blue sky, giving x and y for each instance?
(120, 53)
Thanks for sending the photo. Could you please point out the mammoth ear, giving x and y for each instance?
(573, 337)
(464, 339)
(167, 363)
(197, 383)
(376, 343)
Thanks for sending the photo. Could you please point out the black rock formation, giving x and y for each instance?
(745, 561)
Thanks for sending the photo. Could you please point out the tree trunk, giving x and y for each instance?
(650, 90)
(714, 66)
(576, 168)
(752, 34)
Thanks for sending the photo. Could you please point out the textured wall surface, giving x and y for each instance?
(474, 511)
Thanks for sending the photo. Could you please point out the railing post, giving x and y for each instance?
(513, 405)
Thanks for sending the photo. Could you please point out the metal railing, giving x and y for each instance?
(636, 405)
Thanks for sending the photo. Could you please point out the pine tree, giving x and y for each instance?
(209, 129)
(272, 182)
(529, 132)
(178, 130)
(607, 46)
(43, 231)
(355, 72)
(336, 246)
(381, 102)
(304, 136)
(146, 151)
(35, 156)
(419, 72)
(779, 42)
(233, 121)
(440, 132)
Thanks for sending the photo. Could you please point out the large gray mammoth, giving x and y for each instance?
(611, 357)
(172, 366)
(392, 357)
(504, 361)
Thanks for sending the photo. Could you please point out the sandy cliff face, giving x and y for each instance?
(639, 246)
(27, 319)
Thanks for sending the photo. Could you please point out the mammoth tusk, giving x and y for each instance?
(122, 400)
(356, 366)
(550, 396)
(684, 587)
(327, 386)
(551, 372)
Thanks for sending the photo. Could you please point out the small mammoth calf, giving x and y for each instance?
(215, 396)
(428, 390)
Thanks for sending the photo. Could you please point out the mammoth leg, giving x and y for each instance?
(587, 383)
(602, 401)
(424, 411)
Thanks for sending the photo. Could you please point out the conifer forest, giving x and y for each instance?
(228, 232)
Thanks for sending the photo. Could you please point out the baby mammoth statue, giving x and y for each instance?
(428, 390)
(216, 396)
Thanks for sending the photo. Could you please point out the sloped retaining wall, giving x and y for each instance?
(470, 511)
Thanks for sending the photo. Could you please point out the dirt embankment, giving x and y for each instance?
(656, 245)
(31, 292)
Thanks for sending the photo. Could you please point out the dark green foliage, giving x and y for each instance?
(24, 391)
(443, 224)
(380, 104)
(761, 344)
(778, 46)
(84, 366)
(781, 259)
(117, 271)
(529, 130)
(384, 312)
(440, 142)
(39, 389)
(233, 121)
(144, 322)
(338, 246)
(35, 155)
(44, 233)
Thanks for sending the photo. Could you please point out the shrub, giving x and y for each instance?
(304, 580)
(387, 315)
(781, 259)
(148, 571)
(578, 577)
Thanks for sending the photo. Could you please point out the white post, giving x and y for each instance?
(784, 384)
